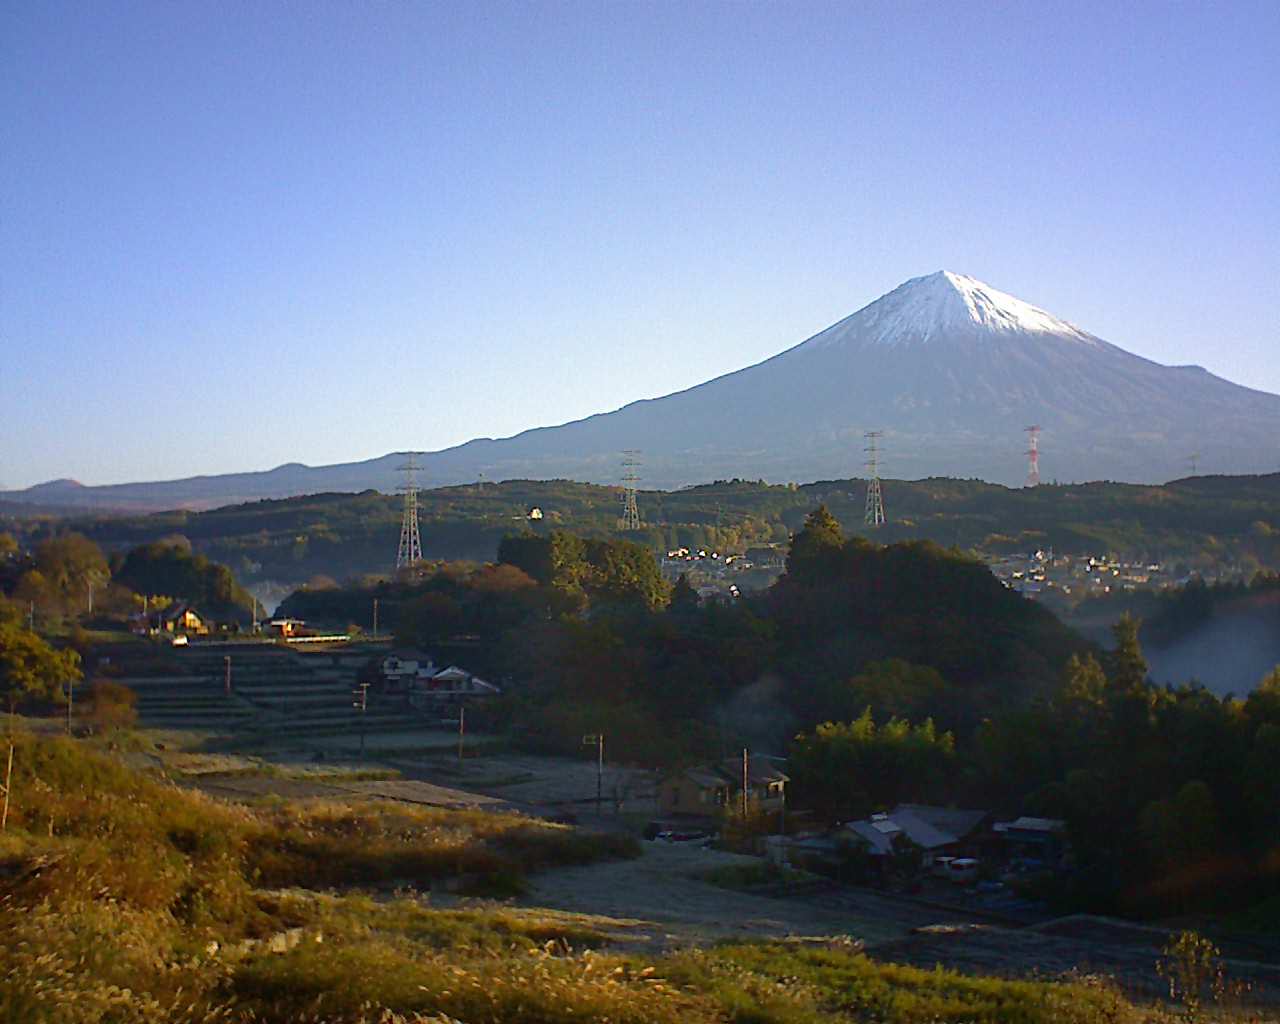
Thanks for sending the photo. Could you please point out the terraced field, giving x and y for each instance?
(277, 695)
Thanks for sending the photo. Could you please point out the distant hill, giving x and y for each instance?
(951, 369)
(1199, 522)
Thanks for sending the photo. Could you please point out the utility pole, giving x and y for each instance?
(375, 618)
(8, 788)
(91, 597)
(462, 728)
(255, 612)
(598, 739)
(744, 787)
(226, 677)
(361, 704)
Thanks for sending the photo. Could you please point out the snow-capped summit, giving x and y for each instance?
(940, 305)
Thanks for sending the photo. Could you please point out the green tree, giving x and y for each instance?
(71, 563)
(30, 668)
(896, 688)
(816, 546)
(684, 599)
(1129, 665)
(1084, 685)
(846, 769)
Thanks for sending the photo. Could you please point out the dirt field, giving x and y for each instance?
(542, 784)
(660, 903)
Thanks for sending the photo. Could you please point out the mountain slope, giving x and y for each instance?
(951, 369)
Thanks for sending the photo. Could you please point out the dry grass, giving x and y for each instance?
(129, 901)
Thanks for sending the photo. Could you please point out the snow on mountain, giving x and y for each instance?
(942, 304)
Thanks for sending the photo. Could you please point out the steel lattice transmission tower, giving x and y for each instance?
(874, 514)
(410, 553)
(630, 518)
(1033, 456)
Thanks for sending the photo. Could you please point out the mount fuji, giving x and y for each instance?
(951, 369)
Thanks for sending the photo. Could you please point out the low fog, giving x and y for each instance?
(1230, 653)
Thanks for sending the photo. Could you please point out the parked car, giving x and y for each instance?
(963, 870)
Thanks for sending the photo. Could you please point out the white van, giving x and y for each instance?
(963, 870)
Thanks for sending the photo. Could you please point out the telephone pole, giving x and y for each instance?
(361, 704)
(462, 727)
(598, 739)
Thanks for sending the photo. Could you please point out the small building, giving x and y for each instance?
(399, 669)
(428, 687)
(286, 627)
(938, 831)
(178, 619)
(450, 687)
(1034, 839)
(705, 791)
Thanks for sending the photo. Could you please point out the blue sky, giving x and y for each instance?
(239, 234)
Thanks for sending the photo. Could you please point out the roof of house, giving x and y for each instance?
(953, 820)
(452, 674)
(704, 777)
(729, 772)
(407, 654)
(879, 839)
(927, 827)
(176, 610)
(1028, 824)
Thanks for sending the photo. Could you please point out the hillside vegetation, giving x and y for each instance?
(1202, 521)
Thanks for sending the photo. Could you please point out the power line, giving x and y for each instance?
(410, 553)
(630, 518)
(873, 514)
(1033, 456)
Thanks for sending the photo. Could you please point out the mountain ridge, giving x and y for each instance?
(949, 368)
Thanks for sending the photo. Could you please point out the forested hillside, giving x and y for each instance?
(1202, 522)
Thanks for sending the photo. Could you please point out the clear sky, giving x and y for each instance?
(237, 234)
